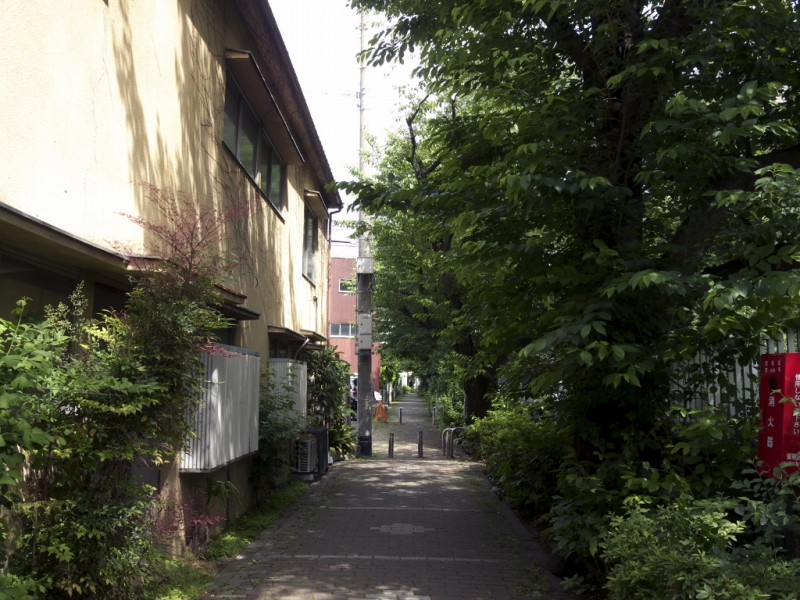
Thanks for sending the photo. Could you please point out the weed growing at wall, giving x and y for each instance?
(328, 381)
(278, 425)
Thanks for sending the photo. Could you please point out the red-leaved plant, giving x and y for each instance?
(187, 233)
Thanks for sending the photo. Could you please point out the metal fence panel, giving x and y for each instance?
(226, 418)
(291, 377)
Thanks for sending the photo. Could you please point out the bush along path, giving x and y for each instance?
(394, 528)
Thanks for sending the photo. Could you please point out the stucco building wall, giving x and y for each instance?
(99, 97)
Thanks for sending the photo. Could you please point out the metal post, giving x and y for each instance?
(391, 445)
(434, 416)
(364, 271)
(401, 415)
(419, 444)
(450, 444)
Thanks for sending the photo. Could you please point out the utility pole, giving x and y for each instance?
(364, 272)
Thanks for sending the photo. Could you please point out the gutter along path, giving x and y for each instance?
(402, 528)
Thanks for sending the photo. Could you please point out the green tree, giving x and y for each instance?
(607, 179)
(424, 314)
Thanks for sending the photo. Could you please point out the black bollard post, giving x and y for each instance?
(391, 445)
(401, 415)
(450, 444)
(419, 444)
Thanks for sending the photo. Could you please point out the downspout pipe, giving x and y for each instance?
(300, 349)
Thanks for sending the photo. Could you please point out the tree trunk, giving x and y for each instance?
(476, 401)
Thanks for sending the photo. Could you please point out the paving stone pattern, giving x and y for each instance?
(402, 528)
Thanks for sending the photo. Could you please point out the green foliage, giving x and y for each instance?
(522, 453)
(249, 526)
(278, 426)
(15, 588)
(182, 579)
(530, 455)
(343, 438)
(600, 201)
(700, 452)
(605, 177)
(87, 545)
(84, 400)
(693, 549)
(328, 385)
(449, 403)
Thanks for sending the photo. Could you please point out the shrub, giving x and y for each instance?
(522, 455)
(691, 549)
(87, 545)
(328, 385)
(700, 452)
(278, 425)
(449, 403)
(83, 400)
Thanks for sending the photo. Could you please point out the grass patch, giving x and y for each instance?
(185, 578)
(249, 526)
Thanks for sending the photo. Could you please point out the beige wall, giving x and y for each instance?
(98, 97)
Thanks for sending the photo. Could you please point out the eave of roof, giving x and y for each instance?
(286, 86)
(25, 232)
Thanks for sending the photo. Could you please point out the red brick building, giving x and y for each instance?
(342, 308)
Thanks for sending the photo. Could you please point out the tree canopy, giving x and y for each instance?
(615, 182)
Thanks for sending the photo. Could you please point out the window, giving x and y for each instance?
(278, 349)
(246, 138)
(35, 280)
(343, 330)
(309, 243)
(347, 285)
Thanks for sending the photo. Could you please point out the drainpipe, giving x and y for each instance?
(300, 349)
(330, 262)
(330, 222)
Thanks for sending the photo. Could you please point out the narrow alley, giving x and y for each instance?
(405, 527)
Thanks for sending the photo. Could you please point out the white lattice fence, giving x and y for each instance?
(743, 379)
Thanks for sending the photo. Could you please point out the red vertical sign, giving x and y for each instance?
(779, 440)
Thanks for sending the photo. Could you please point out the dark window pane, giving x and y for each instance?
(247, 140)
(106, 298)
(42, 287)
(263, 164)
(231, 117)
(277, 181)
(334, 329)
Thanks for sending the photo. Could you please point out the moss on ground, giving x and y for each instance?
(186, 578)
(249, 526)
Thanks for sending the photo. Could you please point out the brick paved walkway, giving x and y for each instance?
(402, 528)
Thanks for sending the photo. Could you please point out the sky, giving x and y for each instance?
(323, 38)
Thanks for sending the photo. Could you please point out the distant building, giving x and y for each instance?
(342, 303)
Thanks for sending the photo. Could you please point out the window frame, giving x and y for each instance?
(310, 243)
(352, 289)
(262, 140)
(351, 330)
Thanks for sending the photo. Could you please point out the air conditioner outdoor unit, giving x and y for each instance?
(305, 449)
